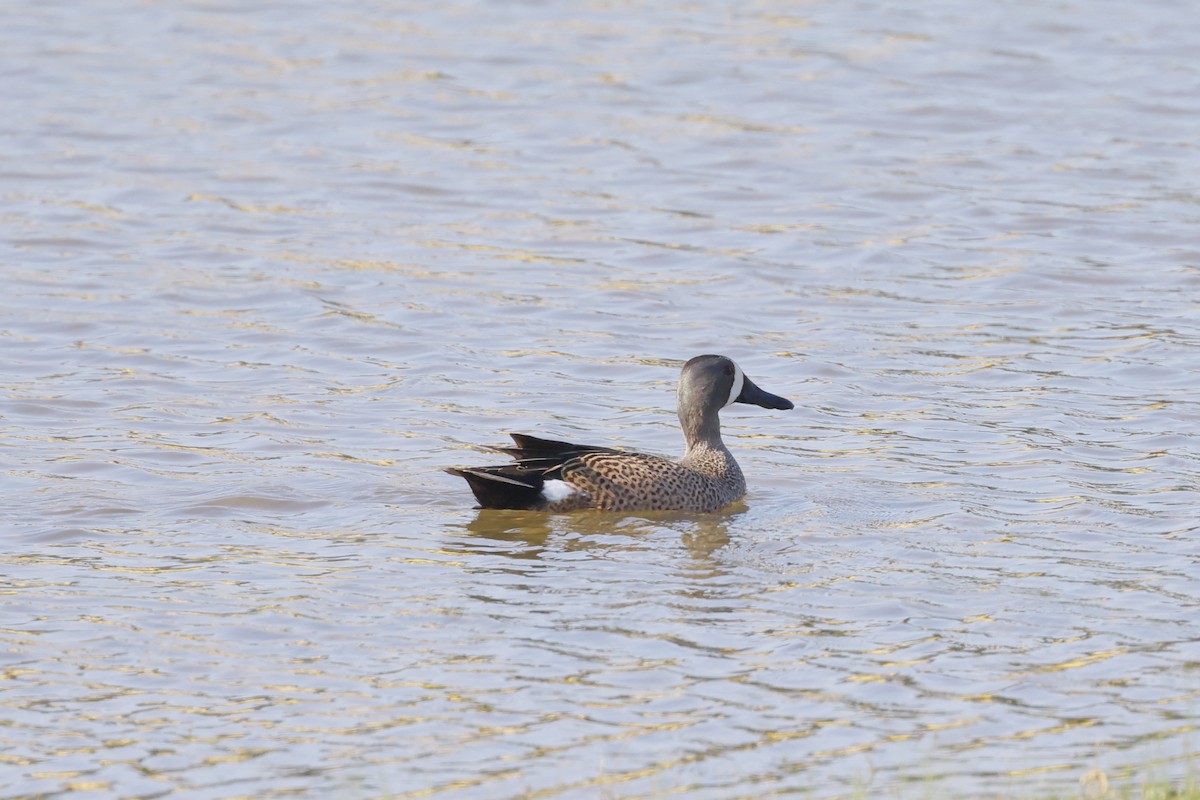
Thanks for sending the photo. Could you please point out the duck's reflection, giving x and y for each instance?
(533, 532)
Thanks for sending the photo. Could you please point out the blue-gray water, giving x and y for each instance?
(268, 267)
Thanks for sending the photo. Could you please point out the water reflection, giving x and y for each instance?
(700, 534)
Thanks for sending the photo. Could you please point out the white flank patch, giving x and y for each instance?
(555, 490)
(738, 381)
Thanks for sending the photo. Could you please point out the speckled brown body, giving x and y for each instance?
(559, 476)
(708, 479)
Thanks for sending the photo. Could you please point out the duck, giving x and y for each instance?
(556, 476)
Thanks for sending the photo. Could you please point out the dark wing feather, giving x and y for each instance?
(547, 455)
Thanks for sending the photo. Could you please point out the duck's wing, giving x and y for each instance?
(548, 455)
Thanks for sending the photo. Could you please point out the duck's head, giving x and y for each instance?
(709, 383)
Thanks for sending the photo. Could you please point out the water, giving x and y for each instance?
(268, 269)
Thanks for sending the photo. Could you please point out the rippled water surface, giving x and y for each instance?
(269, 267)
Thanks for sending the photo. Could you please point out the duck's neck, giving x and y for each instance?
(707, 454)
(701, 431)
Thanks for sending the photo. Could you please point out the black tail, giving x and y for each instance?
(503, 487)
(520, 485)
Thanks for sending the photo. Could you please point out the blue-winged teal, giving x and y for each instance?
(558, 476)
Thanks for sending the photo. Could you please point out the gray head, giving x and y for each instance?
(708, 384)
